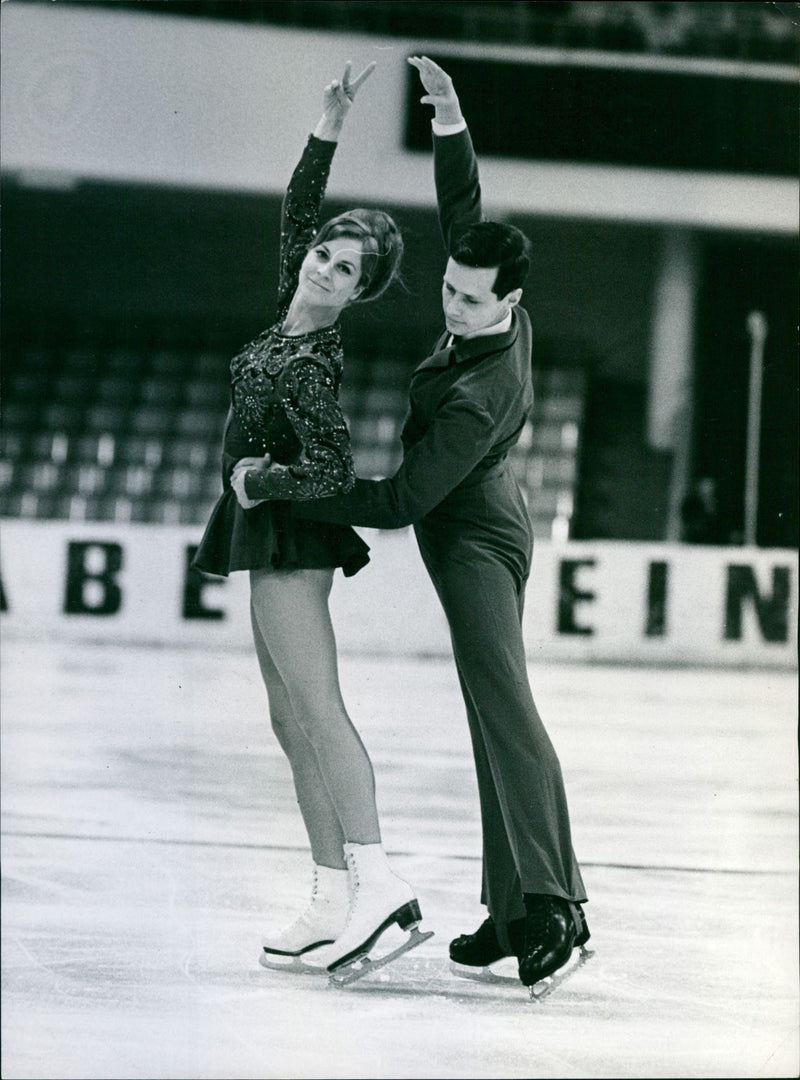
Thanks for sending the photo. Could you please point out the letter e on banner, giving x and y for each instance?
(194, 584)
(569, 595)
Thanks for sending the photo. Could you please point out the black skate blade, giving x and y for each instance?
(487, 975)
(364, 964)
(293, 965)
(545, 987)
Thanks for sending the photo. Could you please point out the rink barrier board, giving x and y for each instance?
(586, 601)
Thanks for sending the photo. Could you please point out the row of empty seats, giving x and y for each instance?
(85, 439)
(115, 509)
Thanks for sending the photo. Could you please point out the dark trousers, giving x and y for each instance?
(527, 845)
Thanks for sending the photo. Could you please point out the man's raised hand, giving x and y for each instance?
(439, 90)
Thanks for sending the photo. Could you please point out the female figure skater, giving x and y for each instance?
(284, 403)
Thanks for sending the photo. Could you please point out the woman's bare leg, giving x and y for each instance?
(318, 812)
(296, 639)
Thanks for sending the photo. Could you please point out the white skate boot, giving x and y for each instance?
(379, 899)
(302, 945)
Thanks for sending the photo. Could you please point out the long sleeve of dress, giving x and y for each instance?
(300, 212)
(325, 464)
(456, 441)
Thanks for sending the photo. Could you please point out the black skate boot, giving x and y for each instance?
(553, 928)
(483, 947)
(472, 955)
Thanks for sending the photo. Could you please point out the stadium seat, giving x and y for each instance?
(152, 420)
(161, 391)
(140, 450)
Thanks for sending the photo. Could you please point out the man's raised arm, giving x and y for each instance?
(458, 189)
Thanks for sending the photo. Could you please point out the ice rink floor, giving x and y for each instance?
(150, 836)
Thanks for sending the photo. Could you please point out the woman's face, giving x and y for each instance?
(331, 271)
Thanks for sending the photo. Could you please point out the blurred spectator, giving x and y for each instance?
(700, 514)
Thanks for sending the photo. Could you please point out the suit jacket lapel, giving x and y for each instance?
(440, 357)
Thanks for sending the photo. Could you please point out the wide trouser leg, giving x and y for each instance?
(501, 888)
(523, 802)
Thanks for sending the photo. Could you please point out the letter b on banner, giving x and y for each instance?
(92, 588)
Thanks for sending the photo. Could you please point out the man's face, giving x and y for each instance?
(468, 300)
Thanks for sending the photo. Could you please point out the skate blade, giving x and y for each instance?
(487, 975)
(363, 965)
(545, 987)
(294, 965)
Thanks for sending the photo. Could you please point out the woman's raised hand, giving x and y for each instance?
(439, 89)
(338, 95)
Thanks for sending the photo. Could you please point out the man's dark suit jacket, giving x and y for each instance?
(468, 403)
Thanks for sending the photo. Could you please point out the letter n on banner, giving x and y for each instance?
(772, 610)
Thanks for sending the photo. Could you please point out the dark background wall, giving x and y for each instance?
(206, 263)
(159, 261)
(148, 263)
(740, 275)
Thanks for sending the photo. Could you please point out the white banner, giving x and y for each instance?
(618, 601)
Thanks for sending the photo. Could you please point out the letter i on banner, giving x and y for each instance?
(657, 592)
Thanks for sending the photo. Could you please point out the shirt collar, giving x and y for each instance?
(498, 328)
(492, 339)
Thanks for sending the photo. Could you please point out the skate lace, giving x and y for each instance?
(352, 866)
(538, 924)
(312, 903)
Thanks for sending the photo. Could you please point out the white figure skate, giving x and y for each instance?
(380, 900)
(303, 946)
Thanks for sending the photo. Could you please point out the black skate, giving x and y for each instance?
(554, 928)
(358, 963)
(472, 955)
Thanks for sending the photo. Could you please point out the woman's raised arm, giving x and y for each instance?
(303, 200)
(337, 98)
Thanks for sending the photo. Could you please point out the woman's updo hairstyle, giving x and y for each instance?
(381, 242)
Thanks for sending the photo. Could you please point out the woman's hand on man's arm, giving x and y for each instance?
(239, 474)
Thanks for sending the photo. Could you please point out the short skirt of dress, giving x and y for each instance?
(269, 537)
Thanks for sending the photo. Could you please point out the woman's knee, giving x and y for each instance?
(288, 731)
(325, 724)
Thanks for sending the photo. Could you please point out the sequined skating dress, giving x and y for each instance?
(284, 402)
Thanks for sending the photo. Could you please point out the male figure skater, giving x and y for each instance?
(468, 403)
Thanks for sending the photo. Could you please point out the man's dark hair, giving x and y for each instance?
(491, 243)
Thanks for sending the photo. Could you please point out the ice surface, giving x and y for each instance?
(150, 836)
